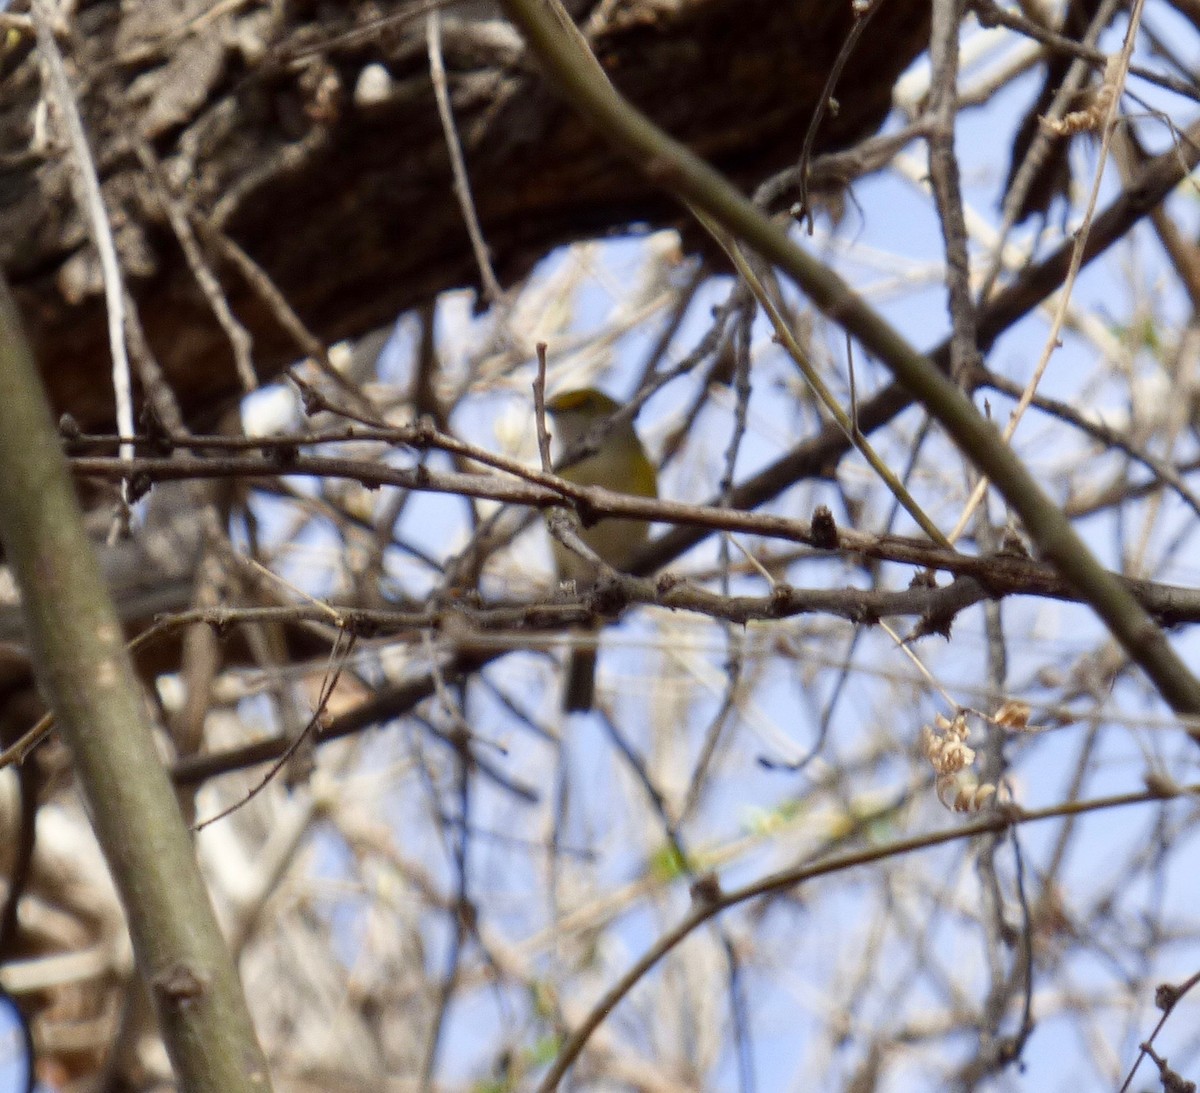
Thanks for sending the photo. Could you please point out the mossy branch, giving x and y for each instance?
(87, 677)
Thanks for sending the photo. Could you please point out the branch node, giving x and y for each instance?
(180, 985)
(706, 889)
(824, 532)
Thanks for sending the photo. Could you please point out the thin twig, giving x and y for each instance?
(1040, 146)
(239, 337)
(713, 902)
(826, 100)
(92, 200)
(337, 659)
(947, 188)
(539, 409)
(1114, 81)
(812, 375)
(458, 165)
(267, 291)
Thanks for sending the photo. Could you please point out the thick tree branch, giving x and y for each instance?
(312, 140)
(85, 671)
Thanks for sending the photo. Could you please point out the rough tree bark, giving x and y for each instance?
(309, 135)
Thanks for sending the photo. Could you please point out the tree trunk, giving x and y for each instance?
(309, 135)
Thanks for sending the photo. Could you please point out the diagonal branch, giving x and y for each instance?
(565, 57)
(89, 680)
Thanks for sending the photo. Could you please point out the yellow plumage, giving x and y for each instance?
(619, 464)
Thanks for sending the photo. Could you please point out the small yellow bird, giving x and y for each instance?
(619, 464)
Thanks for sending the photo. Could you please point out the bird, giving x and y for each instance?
(621, 464)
